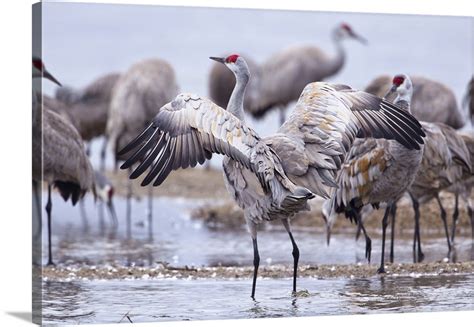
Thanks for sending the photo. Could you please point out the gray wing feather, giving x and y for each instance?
(326, 120)
(186, 131)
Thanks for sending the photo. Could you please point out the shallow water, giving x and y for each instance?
(180, 240)
(155, 300)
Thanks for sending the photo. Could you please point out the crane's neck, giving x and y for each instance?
(236, 101)
(337, 61)
(403, 101)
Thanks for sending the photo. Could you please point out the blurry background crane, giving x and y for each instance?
(286, 73)
(432, 101)
(88, 108)
(136, 98)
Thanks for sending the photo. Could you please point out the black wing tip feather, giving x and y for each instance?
(136, 141)
(412, 135)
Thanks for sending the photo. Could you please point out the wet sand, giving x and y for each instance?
(70, 273)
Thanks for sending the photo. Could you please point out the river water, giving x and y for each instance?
(162, 300)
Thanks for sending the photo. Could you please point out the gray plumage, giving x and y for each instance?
(136, 98)
(270, 178)
(88, 107)
(65, 164)
(285, 74)
(432, 101)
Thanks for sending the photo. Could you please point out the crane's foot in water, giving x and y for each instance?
(381, 270)
(368, 249)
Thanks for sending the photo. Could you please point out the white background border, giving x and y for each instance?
(15, 160)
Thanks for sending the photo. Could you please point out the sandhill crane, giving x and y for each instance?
(105, 190)
(222, 82)
(136, 99)
(432, 101)
(285, 74)
(378, 171)
(274, 177)
(64, 162)
(88, 107)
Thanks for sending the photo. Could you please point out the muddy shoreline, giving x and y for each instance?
(84, 273)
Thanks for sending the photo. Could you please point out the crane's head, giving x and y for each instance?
(39, 70)
(235, 63)
(345, 31)
(402, 85)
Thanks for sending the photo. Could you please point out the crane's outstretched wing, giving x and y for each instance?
(186, 131)
(314, 141)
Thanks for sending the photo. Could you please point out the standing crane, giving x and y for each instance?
(58, 145)
(432, 101)
(136, 99)
(274, 177)
(285, 74)
(88, 108)
(378, 171)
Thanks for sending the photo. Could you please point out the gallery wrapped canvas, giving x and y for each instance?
(203, 163)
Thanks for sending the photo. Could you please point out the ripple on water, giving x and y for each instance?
(164, 300)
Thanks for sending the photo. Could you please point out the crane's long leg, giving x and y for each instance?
(37, 199)
(416, 234)
(381, 269)
(295, 252)
(103, 153)
(455, 217)
(150, 212)
(256, 257)
(368, 241)
(49, 207)
(88, 149)
(100, 210)
(85, 220)
(443, 217)
(471, 216)
(393, 213)
(129, 207)
(359, 229)
(113, 215)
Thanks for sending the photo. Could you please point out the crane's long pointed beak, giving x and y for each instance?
(218, 59)
(360, 38)
(47, 75)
